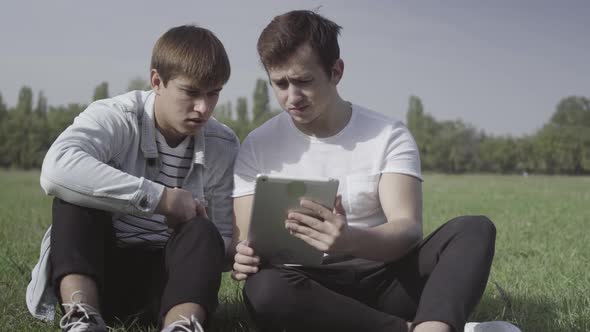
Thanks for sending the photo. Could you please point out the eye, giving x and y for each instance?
(213, 94)
(282, 84)
(304, 82)
(192, 93)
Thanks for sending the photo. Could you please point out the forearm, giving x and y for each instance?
(384, 243)
(73, 175)
(78, 166)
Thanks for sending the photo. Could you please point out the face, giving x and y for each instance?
(303, 88)
(182, 109)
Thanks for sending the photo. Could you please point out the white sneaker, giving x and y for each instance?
(185, 325)
(81, 317)
(493, 326)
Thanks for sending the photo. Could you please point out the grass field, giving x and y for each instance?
(540, 277)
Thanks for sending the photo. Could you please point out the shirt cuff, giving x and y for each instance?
(147, 198)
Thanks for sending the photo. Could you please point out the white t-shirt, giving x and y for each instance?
(369, 145)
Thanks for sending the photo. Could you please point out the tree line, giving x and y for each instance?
(561, 146)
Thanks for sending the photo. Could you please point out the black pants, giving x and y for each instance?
(442, 279)
(135, 283)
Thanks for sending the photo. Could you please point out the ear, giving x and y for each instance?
(337, 71)
(156, 81)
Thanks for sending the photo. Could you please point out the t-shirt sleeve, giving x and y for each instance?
(401, 153)
(245, 170)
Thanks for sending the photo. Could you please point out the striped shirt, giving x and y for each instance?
(151, 231)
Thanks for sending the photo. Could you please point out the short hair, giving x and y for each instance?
(192, 52)
(287, 32)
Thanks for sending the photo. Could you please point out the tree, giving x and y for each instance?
(563, 149)
(525, 154)
(260, 108)
(498, 155)
(563, 145)
(572, 111)
(242, 110)
(3, 120)
(223, 112)
(25, 101)
(3, 109)
(41, 108)
(60, 117)
(425, 129)
(415, 114)
(139, 83)
(101, 91)
(17, 130)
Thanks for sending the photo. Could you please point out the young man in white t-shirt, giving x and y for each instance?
(380, 275)
(143, 208)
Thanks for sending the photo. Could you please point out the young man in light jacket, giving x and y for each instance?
(143, 207)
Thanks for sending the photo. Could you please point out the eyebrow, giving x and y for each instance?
(300, 77)
(196, 89)
(279, 79)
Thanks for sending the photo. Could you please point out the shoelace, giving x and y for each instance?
(82, 323)
(79, 325)
(185, 325)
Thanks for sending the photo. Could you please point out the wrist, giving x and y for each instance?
(162, 207)
(348, 241)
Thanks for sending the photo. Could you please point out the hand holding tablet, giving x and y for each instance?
(274, 199)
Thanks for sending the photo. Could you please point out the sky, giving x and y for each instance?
(501, 66)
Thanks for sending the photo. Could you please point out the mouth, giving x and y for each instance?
(298, 109)
(195, 122)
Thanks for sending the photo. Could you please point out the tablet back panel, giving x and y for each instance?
(273, 198)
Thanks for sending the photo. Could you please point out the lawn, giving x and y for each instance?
(540, 278)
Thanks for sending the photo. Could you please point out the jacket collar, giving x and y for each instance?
(148, 134)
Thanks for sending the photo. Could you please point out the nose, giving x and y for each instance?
(294, 95)
(201, 105)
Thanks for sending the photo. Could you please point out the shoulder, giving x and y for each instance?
(366, 116)
(378, 125)
(217, 133)
(125, 107)
(272, 129)
(132, 101)
(114, 114)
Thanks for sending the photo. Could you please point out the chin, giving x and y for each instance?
(300, 118)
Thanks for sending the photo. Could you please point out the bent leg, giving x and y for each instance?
(194, 262)
(78, 237)
(445, 277)
(287, 297)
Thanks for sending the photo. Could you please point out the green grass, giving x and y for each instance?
(539, 278)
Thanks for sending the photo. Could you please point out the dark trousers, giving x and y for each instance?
(136, 284)
(442, 279)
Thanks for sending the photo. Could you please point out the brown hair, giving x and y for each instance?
(192, 52)
(286, 33)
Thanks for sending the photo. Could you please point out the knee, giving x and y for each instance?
(477, 225)
(266, 294)
(483, 227)
(197, 228)
(478, 228)
(197, 233)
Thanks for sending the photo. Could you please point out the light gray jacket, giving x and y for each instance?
(105, 160)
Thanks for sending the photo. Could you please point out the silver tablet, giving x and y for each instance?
(274, 197)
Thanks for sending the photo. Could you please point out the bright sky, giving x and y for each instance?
(500, 65)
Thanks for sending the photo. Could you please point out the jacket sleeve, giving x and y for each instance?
(78, 167)
(220, 185)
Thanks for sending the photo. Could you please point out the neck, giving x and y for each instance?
(173, 138)
(330, 122)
